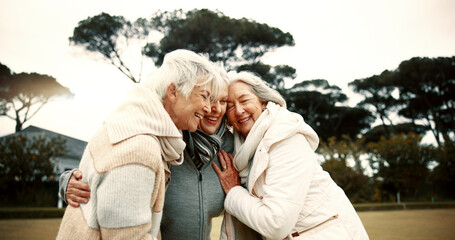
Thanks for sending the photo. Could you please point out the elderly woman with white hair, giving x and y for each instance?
(135, 147)
(282, 192)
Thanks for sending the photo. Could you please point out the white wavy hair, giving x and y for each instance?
(259, 87)
(185, 68)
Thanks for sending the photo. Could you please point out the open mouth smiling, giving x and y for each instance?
(198, 115)
(210, 119)
(243, 120)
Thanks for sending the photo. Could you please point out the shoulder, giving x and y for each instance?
(288, 124)
(139, 149)
(228, 142)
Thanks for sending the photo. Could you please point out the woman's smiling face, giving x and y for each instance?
(243, 107)
(189, 112)
(210, 123)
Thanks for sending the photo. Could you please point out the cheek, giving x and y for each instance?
(223, 110)
(197, 103)
(231, 117)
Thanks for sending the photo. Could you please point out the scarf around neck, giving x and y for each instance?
(203, 147)
(277, 123)
(142, 112)
(245, 148)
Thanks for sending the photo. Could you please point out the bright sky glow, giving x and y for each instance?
(339, 41)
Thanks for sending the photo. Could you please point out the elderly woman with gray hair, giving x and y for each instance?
(282, 192)
(126, 163)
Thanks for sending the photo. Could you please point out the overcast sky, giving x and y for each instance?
(339, 41)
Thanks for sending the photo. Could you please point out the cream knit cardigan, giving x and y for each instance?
(126, 166)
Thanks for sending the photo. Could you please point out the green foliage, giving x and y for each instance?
(377, 91)
(275, 76)
(352, 179)
(425, 90)
(5, 74)
(427, 86)
(24, 161)
(233, 42)
(224, 39)
(26, 94)
(443, 175)
(108, 35)
(375, 134)
(320, 104)
(400, 163)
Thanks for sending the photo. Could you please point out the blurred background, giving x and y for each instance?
(375, 79)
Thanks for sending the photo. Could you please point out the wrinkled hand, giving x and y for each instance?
(77, 191)
(229, 177)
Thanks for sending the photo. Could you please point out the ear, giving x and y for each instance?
(171, 92)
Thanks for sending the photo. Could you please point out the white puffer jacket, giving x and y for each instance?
(289, 195)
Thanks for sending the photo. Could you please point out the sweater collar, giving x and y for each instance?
(142, 112)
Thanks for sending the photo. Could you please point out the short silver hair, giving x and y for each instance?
(185, 68)
(259, 87)
(224, 79)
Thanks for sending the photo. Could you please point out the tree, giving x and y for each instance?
(5, 74)
(427, 86)
(23, 160)
(26, 93)
(375, 134)
(400, 163)
(233, 42)
(352, 179)
(443, 175)
(426, 90)
(110, 36)
(275, 76)
(377, 92)
(320, 104)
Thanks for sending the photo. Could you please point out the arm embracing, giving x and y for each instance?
(63, 183)
(124, 203)
(287, 178)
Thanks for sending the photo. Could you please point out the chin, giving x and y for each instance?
(209, 130)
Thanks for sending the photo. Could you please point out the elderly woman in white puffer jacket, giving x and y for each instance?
(283, 192)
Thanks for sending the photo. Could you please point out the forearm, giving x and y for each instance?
(271, 218)
(279, 194)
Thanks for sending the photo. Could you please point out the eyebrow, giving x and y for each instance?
(244, 95)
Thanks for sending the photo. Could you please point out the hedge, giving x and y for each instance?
(50, 212)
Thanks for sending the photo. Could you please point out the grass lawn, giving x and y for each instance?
(390, 225)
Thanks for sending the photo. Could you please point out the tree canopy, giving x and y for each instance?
(231, 41)
(400, 163)
(320, 104)
(425, 93)
(24, 94)
(24, 159)
(234, 42)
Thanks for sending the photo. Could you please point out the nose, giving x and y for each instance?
(206, 107)
(239, 109)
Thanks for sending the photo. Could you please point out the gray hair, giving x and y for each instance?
(224, 79)
(185, 68)
(259, 87)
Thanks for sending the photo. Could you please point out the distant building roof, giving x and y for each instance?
(74, 146)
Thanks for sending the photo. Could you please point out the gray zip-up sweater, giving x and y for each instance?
(193, 198)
